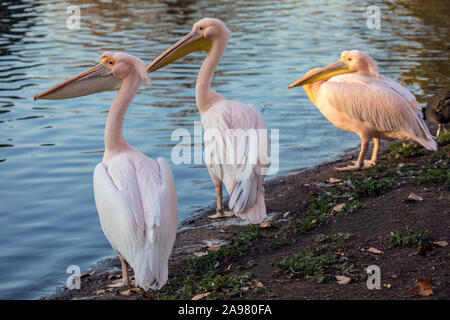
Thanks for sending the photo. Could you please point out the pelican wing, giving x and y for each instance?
(387, 108)
(240, 163)
(137, 205)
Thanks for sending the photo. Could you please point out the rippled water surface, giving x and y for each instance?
(48, 149)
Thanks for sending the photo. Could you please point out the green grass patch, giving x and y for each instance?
(240, 243)
(314, 263)
(338, 238)
(408, 236)
(403, 150)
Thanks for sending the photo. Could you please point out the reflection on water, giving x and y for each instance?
(48, 149)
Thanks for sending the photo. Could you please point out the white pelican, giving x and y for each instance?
(243, 180)
(353, 96)
(135, 195)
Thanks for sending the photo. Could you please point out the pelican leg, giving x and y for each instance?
(220, 213)
(125, 281)
(360, 162)
(373, 160)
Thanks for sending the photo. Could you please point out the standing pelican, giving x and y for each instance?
(353, 96)
(135, 195)
(243, 181)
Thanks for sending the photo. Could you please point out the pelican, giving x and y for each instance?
(353, 96)
(243, 180)
(135, 195)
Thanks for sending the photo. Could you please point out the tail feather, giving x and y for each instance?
(257, 213)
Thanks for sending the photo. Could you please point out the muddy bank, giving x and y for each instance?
(319, 229)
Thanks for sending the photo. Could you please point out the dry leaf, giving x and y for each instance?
(131, 291)
(97, 292)
(214, 247)
(260, 285)
(266, 224)
(422, 287)
(201, 296)
(333, 180)
(337, 208)
(201, 253)
(87, 274)
(441, 243)
(387, 285)
(428, 247)
(339, 254)
(375, 250)
(114, 276)
(414, 197)
(227, 270)
(314, 221)
(343, 280)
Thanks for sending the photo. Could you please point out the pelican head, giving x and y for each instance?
(353, 61)
(106, 76)
(203, 34)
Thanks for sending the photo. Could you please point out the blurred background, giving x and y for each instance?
(49, 149)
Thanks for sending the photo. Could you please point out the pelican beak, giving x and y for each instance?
(96, 79)
(193, 41)
(339, 67)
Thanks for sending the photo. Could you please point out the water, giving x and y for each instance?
(48, 149)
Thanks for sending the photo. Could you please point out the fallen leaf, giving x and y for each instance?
(260, 285)
(314, 221)
(337, 208)
(87, 274)
(227, 270)
(414, 197)
(441, 243)
(131, 291)
(375, 250)
(114, 276)
(387, 285)
(201, 296)
(339, 254)
(210, 245)
(266, 224)
(333, 180)
(422, 287)
(343, 280)
(97, 292)
(214, 247)
(428, 247)
(201, 253)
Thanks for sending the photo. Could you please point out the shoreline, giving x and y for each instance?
(288, 199)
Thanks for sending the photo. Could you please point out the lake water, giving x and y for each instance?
(48, 149)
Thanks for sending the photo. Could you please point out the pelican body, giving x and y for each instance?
(244, 180)
(353, 96)
(135, 195)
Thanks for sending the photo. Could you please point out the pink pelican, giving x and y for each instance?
(135, 195)
(353, 96)
(243, 181)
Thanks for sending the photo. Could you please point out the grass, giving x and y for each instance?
(240, 243)
(338, 238)
(408, 236)
(314, 263)
(220, 286)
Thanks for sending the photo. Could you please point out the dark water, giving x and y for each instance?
(48, 150)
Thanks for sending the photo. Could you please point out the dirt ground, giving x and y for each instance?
(310, 239)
